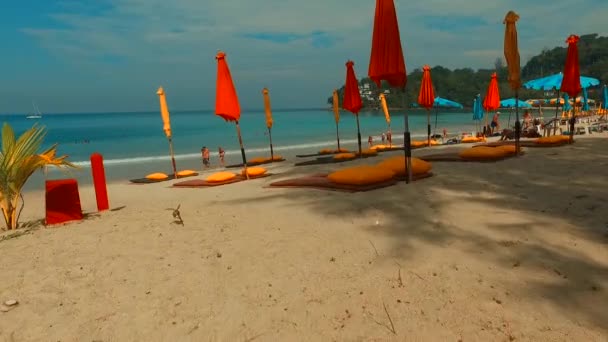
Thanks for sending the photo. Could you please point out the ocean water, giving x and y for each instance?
(134, 144)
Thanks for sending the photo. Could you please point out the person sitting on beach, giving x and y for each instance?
(527, 119)
(370, 141)
(495, 124)
(221, 154)
(205, 153)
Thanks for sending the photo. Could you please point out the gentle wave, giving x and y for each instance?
(190, 156)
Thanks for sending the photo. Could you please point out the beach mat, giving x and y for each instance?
(231, 166)
(524, 143)
(321, 182)
(328, 160)
(201, 183)
(454, 157)
(149, 181)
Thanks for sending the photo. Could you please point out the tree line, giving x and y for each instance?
(461, 85)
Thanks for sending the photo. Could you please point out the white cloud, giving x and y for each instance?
(175, 41)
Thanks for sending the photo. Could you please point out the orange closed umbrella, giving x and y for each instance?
(226, 101)
(511, 51)
(492, 100)
(164, 113)
(268, 111)
(571, 83)
(336, 105)
(387, 62)
(387, 115)
(352, 98)
(426, 97)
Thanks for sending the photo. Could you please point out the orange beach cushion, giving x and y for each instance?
(368, 152)
(258, 160)
(361, 175)
(157, 176)
(254, 171)
(345, 156)
(220, 177)
(483, 153)
(397, 165)
(326, 151)
(185, 173)
(554, 139)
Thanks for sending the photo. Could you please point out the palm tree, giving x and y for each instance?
(19, 159)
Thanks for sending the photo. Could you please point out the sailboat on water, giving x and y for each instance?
(36, 115)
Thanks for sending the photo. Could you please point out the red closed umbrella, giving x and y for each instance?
(492, 100)
(511, 52)
(387, 61)
(426, 97)
(571, 83)
(352, 98)
(226, 101)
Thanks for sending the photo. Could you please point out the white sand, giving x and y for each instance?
(479, 252)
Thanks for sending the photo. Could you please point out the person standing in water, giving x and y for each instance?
(221, 153)
(205, 153)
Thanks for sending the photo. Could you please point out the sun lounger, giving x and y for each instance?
(321, 182)
(522, 143)
(268, 161)
(201, 183)
(329, 160)
(148, 181)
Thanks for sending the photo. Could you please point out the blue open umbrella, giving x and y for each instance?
(554, 82)
(605, 97)
(441, 102)
(510, 103)
(477, 108)
(445, 103)
(585, 100)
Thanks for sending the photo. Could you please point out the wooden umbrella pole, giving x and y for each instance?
(238, 132)
(390, 142)
(436, 116)
(407, 143)
(271, 149)
(358, 134)
(572, 121)
(428, 127)
(338, 136)
(557, 103)
(517, 123)
(172, 158)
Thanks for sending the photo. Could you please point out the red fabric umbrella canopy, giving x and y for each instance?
(492, 100)
(386, 61)
(571, 83)
(426, 97)
(352, 98)
(226, 101)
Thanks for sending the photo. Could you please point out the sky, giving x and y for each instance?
(112, 55)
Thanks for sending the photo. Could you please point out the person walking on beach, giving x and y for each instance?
(495, 125)
(383, 138)
(205, 153)
(389, 138)
(370, 141)
(221, 154)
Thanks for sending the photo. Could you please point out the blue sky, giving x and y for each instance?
(111, 55)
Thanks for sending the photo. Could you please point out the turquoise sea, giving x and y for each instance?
(134, 144)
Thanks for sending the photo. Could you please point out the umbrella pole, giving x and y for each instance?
(338, 136)
(390, 142)
(271, 150)
(517, 123)
(428, 127)
(172, 158)
(238, 133)
(407, 143)
(436, 115)
(557, 103)
(358, 134)
(510, 112)
(571, 122)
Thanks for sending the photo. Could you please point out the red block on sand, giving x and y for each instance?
(62, 201)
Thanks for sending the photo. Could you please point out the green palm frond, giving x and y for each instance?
(19, 159)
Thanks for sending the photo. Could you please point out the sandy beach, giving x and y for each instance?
(513, 250)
